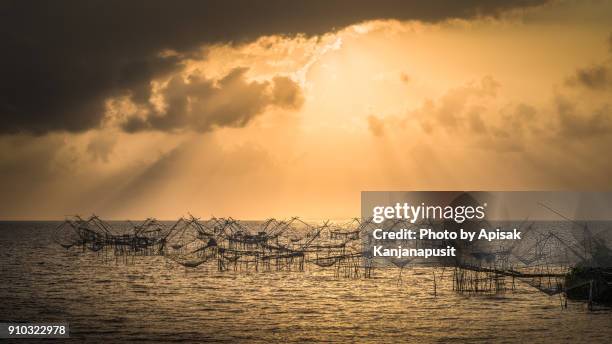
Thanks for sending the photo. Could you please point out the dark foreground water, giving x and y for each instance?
(154, 300)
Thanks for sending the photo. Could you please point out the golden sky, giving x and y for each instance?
(298, 124)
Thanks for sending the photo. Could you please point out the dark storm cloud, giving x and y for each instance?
(61, 60)
(202, 104)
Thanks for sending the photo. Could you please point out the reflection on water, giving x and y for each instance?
(158, 300)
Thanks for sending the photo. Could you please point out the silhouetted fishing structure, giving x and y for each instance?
(551, 261)
(271, 245)
(575, 262)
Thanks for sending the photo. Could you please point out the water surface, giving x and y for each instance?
(154, 300)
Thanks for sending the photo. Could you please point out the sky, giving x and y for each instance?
(277, 109)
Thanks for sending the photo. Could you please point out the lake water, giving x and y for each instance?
(155, 300)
